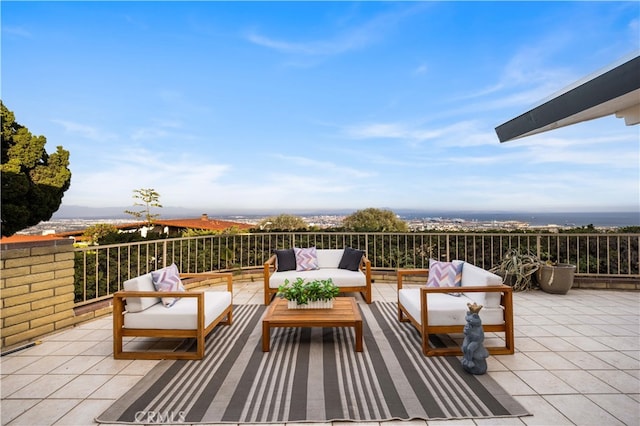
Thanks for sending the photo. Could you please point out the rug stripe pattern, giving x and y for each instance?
(312, 374)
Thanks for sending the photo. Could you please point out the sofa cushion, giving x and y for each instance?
(329, 258)
(306, 258)
(167, 279)
(141, 283)
(445, 310)
(340, 277)
(473, 276)
(182, 315)
(351, 259)
(285, 260)
(445, 274)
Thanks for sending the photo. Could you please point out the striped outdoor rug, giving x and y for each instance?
(311, 375)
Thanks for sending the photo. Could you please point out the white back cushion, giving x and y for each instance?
(329, 258)
(472, 276)
(141, 283)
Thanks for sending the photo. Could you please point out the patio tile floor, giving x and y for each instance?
(577, 362)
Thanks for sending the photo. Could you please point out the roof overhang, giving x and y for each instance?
(615, 90)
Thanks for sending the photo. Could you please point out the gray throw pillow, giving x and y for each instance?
(351, 259)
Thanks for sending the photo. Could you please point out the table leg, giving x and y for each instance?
(266, 331)
(358, 336)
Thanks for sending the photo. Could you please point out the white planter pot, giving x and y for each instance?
(316, 304)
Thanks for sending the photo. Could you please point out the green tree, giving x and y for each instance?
(283, 222)
(96, 233)
(150, 198)
(33, 182)
(374, 220)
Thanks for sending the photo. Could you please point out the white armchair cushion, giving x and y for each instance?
(472, 276)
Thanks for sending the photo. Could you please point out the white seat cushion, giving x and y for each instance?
(182, 315)
(340, 277)
(445, 309)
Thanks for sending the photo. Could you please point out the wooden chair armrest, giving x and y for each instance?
(401, 273)
(201, 276)
(270, 263)
(365, 263)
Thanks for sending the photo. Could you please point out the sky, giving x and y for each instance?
(285, 107)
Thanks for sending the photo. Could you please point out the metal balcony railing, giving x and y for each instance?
(101, 270)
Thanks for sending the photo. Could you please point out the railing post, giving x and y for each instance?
(538, 246)
(164, 253)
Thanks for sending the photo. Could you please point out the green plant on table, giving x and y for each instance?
(311, 291)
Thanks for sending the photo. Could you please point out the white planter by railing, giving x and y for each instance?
(316, 304)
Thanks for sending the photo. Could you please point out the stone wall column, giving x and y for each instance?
(36, 289)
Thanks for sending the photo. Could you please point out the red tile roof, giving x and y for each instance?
(19, 238)
(202, 222)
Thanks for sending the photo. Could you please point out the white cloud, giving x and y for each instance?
(87, 131)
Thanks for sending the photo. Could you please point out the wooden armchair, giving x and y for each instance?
(194, 315)
(435, 311)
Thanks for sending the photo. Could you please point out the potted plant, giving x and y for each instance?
(517, 268)
(317, 294)
(554, 277)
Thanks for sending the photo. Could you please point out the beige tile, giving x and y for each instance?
(556, 344)
(81, 387)
(619, 360)
(11, 363)
(12, 408)
(551, 361)
(45, 364)
(499, 421)
(621, 380)
(43, 386)
(584, 382)
(622, 407)
(115, 387)
(587, 343)
(14, 382)
(582, 411)
(78, 365)
(46, 412)
(544, 382)
(585, 360)
(511, 383)
(84, 413)
(519, 361)
(543, 413)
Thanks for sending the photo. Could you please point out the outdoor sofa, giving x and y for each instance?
(348, 268)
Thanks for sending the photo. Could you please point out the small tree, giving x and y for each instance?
(374, 220)
(33, 182)
(96, 233)
(150, 198)
(283, 222)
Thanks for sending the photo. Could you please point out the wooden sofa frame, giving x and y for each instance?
(506, 300)
(119, 332)
(365, 290)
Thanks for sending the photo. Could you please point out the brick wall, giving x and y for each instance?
(36, 289)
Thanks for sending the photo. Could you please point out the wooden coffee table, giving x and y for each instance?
(345, 313)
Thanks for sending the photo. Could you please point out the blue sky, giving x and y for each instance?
(296, 106)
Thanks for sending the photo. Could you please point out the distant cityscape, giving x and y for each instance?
(416, 221)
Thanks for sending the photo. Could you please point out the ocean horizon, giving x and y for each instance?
(574, 219)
